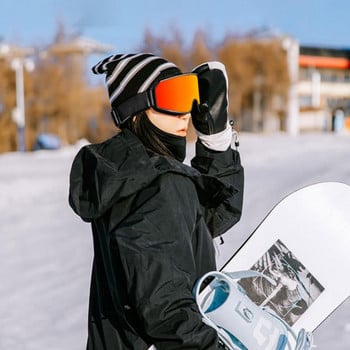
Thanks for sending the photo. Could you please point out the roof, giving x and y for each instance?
(324, 57)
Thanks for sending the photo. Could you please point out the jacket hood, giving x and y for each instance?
(106, 173)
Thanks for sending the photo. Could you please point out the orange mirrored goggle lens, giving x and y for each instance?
(176, 94)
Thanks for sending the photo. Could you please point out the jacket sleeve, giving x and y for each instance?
(154, 245)
(226, 166)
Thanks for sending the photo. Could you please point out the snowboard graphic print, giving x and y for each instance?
(296, 287)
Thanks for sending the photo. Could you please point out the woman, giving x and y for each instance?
(153, 218)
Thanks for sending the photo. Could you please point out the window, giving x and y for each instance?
(305, 101)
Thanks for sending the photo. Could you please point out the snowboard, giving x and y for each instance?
(303, 244)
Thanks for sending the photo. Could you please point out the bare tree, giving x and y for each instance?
(258, 72)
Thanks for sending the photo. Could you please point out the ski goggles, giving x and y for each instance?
(172, 96)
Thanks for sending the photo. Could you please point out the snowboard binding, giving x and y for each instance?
(239, 322)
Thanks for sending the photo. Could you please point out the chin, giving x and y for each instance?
(181, 133)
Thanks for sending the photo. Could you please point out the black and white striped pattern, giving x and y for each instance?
(130, 74)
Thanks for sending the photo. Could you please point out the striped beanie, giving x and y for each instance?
(130, 74)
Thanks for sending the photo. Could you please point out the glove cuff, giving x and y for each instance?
(220, 141)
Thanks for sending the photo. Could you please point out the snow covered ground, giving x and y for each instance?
(46, 250)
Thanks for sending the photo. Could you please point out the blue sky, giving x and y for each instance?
(121, 23)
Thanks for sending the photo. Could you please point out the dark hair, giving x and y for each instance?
(140, 125)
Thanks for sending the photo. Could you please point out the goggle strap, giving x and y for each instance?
(131, 106)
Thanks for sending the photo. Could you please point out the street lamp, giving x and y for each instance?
(18, 113)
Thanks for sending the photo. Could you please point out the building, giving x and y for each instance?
(324, 89)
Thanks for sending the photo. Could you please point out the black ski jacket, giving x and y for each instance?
(153, 220)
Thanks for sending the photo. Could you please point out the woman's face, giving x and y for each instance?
(175, 125)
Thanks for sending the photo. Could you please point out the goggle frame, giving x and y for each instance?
(145, 100)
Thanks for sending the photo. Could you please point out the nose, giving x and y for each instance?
(185, 116)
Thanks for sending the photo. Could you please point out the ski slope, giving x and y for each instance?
(46, 250)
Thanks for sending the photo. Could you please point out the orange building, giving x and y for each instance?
(324, 89)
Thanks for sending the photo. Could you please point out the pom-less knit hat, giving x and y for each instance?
(130, 74)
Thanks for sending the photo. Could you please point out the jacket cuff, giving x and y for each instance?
(205, 152)
(212, 162)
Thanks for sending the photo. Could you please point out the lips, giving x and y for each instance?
(182, 132)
